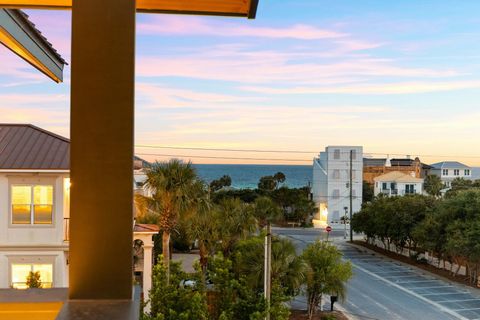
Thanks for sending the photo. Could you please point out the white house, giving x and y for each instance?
(449, 170)
(397, 183)
(331, 183)
(34, 208)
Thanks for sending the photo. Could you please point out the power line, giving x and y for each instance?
(216, 157)
(299, 151)
(223, 149)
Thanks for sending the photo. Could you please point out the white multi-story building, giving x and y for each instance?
(449, 170)
(34, 209)
(397, 183)
(331, 183)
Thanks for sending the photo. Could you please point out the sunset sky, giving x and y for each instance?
(397, 77)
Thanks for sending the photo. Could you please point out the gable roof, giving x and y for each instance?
(25, 146)
(397, 176)
(450, 165)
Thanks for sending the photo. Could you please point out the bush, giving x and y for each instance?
(169, 300)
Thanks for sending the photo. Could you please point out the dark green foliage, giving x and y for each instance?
(279, 177)
(224, 181)
(433, 184)
(246, 195)
(367, 192)
(326, 273)
(266, 211)
(392, 219)
(234, 298)
(267, 184)
(287, 268)
(448, 229)
(295, 202)
(461, 184)
(181, 238)
(172, 300)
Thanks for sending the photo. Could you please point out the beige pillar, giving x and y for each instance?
(102, 119)
(147, 271)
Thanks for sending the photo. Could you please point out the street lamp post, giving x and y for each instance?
(345, 222)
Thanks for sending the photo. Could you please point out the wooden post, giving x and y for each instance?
(102, 120)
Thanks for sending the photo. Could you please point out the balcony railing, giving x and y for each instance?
(66, 229)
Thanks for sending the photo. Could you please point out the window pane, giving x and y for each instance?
(19, 275)
(46, 274)
(21, 214)
(42, 214)
(21, 195)
(43, 194)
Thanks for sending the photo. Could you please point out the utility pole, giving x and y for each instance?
(351, 193)
(267, 285)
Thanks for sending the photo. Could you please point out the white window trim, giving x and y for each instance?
(31, 259)
(31, 224)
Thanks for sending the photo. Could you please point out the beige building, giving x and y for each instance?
(397, 183)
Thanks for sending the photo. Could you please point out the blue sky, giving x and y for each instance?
(394, 76)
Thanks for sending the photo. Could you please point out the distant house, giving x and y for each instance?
(449, 170)
(397, 183)
(34, 208)
(374, 167)
(331, 183)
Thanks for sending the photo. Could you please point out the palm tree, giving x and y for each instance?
(236, 223)
(326, 274)
(288, 268)
(267, 211)
(204, 227)
(172, 188)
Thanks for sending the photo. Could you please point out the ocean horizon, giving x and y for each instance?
(247, 175)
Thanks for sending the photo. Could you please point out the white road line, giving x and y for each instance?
(394, 272)
(443, 293)
(414, 281)
(438, 287)
(405, 276)
(439, 306)
(477, 299)
(472, 309)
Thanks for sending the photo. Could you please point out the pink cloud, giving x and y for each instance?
(373, 89)
(171, 25)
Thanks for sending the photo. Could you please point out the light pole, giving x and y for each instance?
(345, 222)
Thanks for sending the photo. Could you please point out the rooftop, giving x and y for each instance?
(449, 165)
(397, 176)
(27, 147)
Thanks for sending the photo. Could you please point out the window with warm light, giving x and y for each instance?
(20, 274)
(32, 204)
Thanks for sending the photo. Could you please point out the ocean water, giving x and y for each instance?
(247, 175)
(475, 173)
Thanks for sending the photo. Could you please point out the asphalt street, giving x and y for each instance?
(384, 289)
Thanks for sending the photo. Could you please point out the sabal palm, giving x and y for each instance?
(288, 269)
(204, 227)
(172, 188)
(236, 223)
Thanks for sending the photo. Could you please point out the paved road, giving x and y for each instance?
(387, 290)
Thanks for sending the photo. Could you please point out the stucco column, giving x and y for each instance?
(147, 272)
(102, 120)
